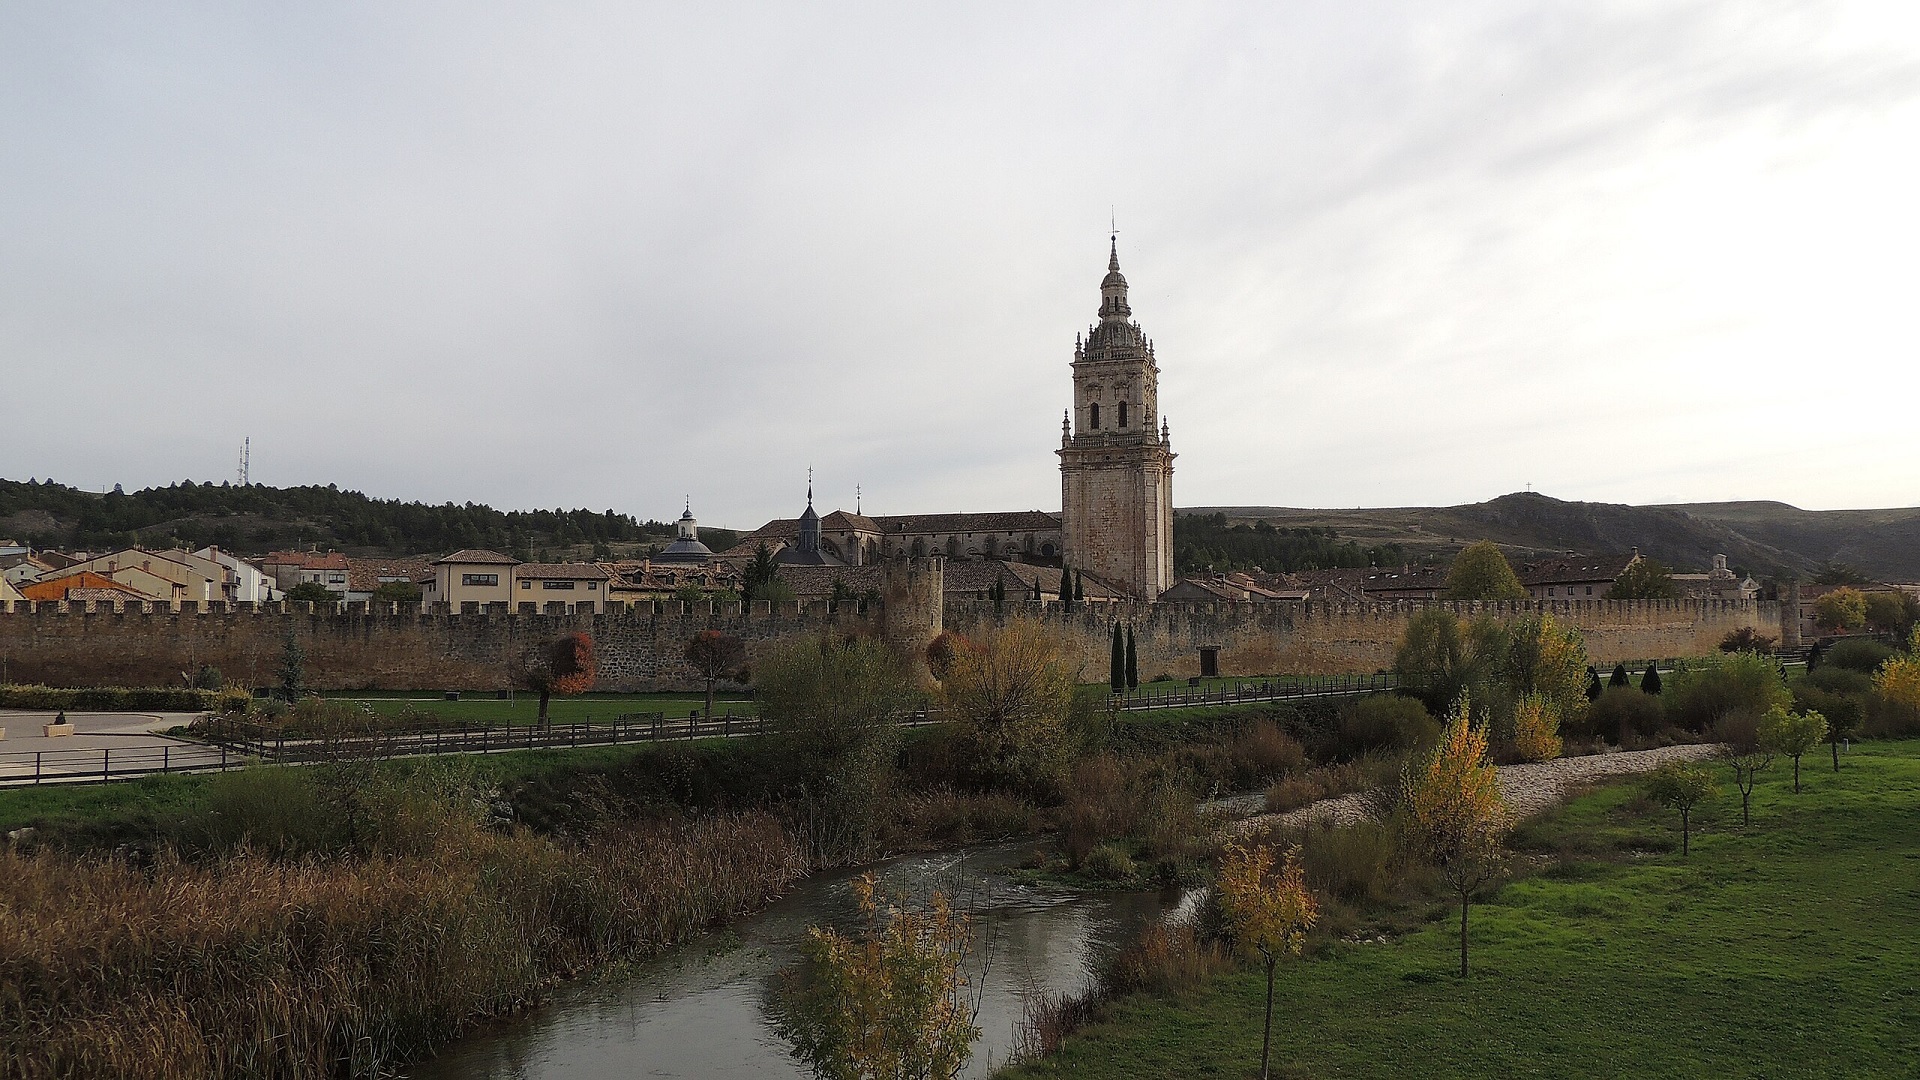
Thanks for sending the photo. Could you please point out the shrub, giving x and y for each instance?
(1702, 694)
(1263, 752)
(1621, 716)
(1100, 806)
(122, 699)
(1384, 722)
(1110, 862)
(1836, 680)
(1864, 655)
(1163, 959)
(1354, 863)
(1747, 639)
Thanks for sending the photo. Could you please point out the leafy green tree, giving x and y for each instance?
(1650, 679)
(758, 574)
(1271, 911)
(396, 591)
(1892, 612)
(1682, 787)
(836, 705)
(1708, 691)
(1834, 573)
(1644, 579)
(1844, 608)
(1792, 734)
(313, 592)
(1545, 657)
(1482, 572)
(1439, 657)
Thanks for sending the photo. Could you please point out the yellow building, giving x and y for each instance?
(467, 580)
(560, 588)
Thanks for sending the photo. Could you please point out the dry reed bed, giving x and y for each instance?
(347, 967)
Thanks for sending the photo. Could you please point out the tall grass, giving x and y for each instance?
(251, 967)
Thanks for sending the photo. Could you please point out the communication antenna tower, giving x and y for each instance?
(246, 458)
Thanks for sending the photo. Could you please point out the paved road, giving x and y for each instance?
(103, 745)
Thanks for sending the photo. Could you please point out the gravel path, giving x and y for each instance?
(1529, 789)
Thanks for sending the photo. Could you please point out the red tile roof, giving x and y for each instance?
(477, 557)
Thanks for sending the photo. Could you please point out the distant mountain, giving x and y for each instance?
(257, 518)
(1765, 539)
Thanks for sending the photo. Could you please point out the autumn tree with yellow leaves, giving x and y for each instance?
(891, 1001)
(1536, 728)
(1898, 680)
(1271, 910)
(1455, 812)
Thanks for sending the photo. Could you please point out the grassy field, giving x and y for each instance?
(1784, 950)
(168, 798)
(524, 708)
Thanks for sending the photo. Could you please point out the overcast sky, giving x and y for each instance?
(607, 256)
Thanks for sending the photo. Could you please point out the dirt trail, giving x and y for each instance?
(1529, 789)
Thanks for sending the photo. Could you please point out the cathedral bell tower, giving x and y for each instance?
(1116, 461)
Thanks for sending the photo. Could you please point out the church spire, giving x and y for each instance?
(1113, 288)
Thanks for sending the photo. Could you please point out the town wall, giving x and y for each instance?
(639, 647)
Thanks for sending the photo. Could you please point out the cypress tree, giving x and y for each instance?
(1078, 592)
(1650, 682)
(1133, 663)
(1593, 684)
(1620, 676)
(1066, 588)
(998, 593)
(1117, 669)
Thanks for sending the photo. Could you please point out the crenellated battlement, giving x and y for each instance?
(407, 646)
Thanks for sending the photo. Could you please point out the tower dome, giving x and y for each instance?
(686, 546)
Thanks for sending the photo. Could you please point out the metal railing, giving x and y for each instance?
(27, 767)
(262, 742)
(1239, 691)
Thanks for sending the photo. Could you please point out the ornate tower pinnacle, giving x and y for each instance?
(1116, 469)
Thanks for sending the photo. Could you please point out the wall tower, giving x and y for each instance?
(1116, 460)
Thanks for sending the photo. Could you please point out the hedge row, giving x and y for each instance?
(122, 699)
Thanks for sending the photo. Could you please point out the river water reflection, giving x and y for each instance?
(703, 1009)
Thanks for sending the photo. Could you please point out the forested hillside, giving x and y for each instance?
(256, 518)
(1210, 541)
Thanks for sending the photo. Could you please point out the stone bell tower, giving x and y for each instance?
(1116, 461)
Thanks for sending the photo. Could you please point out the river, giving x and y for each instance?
(702, 1010)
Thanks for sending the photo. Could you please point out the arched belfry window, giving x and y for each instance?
(1123, 414)
(1096, 416)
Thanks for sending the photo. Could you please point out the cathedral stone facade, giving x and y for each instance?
(1116, 459)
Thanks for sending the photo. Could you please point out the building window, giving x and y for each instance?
(593, 586)
(479, 579)
(1589, 590)
(556, 585)
(1123, 414)
(1096, 416)
(526, 584)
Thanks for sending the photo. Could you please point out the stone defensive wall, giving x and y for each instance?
(1334, 638)
(387, 646)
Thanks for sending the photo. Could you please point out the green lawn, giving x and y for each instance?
(523, 708)
(1791, 949)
